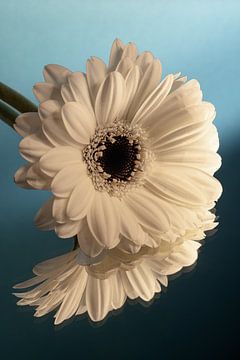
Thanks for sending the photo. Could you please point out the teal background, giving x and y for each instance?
(198, 316)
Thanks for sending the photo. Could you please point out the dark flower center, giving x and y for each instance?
(118, 159)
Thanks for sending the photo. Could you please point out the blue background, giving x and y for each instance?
(198, 316)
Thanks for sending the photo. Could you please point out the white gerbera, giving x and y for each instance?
(65, 283)
(129, 158)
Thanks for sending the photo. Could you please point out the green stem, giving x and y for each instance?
(16, 100)
(8, 114)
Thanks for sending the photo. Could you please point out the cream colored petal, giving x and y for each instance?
(96, 73)
(203, 159)
(115, 54)
(132, 80)
(55, 74)
(79, 88)
(186, 254)
(153, 102)
(149, 210)
(81, 198)
(182, 129)
(79, 122)
(46, 91)
(59, 210)
(130, 227)
(187, 95)
(20, 177)
(125, 66)
(149, 81)
(37, 179)
(98, 298)
(68, 230)
(52, 124)
(118, 294)
(144, 60)
(130, 51)
(87, 242)
(59, 157)
(32, 147)
(128, 246)
(56, 265)
(109, 100)
(73, 296)
(141, 279)
(66, 179)
(186, 185)
(104, 220)
(27, 123)
(44, 219)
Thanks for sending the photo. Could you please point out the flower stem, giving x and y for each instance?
(8, 114)
(16, 100)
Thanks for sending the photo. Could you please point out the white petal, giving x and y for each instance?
(98, 298)
(144, 60)
(55, 74)
(118, 293)
(81, 198)
(185, 185)
(59, 157)
(69, 229)
(52, 124)
(79, 88)
(20, 177)
(185, 127)
(46, 91)
(115, 54)
(59, 209)
(149, 210)
(109, 99)
(148, 83)
(79, 122)
(130, 51)
(73, 296)
(131, 81)
(141, 280)
(66, 179)
(27, 123)
(153, 101)
(96, 73)
(130, 227)
(43, 218)
(104, 220)
(37, 179)
(124, 66)
(34, 146)
(203, 159)
(87, 242)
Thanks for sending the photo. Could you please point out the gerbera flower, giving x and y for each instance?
(75, 283)
(128, 157)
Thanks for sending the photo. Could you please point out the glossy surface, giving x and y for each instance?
(198, 315)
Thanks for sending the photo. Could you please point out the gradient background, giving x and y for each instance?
(198, 316)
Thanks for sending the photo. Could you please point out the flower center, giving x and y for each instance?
(116, 158)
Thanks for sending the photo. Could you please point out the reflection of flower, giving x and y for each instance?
(105, 285)
(130, 161)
